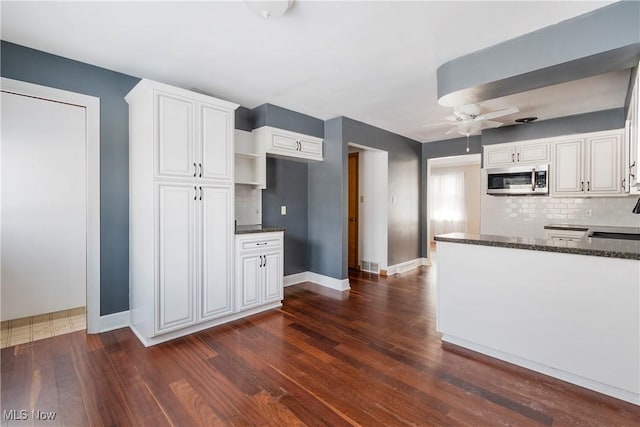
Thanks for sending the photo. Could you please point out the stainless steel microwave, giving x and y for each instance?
(518, 180)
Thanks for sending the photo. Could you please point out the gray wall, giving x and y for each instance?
(41, 68)
(287, 182)
(287, 185)
(327, 244)
(603, 40)
(404, 185)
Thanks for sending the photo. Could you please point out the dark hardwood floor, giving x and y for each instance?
(368, 357)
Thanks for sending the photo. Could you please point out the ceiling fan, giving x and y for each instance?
(468, 119)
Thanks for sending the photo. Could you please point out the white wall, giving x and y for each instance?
(373, 215)
(526, 216)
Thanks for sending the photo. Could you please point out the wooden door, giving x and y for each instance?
(176, 252)
(353, 210)
(44, 206)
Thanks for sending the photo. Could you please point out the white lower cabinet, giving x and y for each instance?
(194, 254)
(259, 267)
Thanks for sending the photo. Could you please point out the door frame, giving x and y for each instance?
(91, 105)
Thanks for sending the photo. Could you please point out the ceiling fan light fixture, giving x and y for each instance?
(526, 119)
(269, 8)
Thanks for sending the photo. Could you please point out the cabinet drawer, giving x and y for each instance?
(255, 243)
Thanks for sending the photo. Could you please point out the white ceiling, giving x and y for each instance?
(371, 61)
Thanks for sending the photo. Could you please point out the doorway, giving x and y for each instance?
(368, 191)
(50, 230)
(453, 196)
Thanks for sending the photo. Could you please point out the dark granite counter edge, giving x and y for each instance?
(259, 230)
(544, 248)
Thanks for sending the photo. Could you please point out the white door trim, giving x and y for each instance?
(92, 107)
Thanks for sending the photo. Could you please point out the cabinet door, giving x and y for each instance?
(605, 168)
(273, 286)
(216, 252)
(215, 132)
(175, 153)
(533, 153)
(175, 296)
(249, 280)
(499, 156)
(567, 171)
(311, 149)
(283, 143)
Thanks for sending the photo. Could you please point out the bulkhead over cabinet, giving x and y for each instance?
(181, 211)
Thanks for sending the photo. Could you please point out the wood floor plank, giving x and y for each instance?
(369, 356)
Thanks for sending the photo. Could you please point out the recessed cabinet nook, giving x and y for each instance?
(584, 165)
(181, 236)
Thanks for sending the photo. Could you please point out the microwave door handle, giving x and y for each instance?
(533, 180)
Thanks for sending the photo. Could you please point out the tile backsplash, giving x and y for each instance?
(526, 216)
(248, 205)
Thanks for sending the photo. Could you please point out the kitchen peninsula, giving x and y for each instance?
(568, 309)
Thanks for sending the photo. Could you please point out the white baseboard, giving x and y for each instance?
(607, 389)
(319, 279)
(403, 267)
(114, 321)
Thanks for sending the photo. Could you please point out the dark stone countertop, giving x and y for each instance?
(256, 228)
(610, 248)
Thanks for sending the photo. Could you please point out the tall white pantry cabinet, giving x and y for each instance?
(181, 211)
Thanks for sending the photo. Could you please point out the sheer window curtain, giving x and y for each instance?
(447, 211)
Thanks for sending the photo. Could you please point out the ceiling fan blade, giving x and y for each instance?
(490, 124)
(496, 114)
(452, 130)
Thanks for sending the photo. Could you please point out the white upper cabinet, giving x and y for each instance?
(522, 153)
(588, 165)
(280, 142)
(192, 133)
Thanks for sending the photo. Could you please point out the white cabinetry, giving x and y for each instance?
(632, 169)
(534, 152)
(250, 161)
(588, 165)
(259, 269)
(181, 211)
(282, 142)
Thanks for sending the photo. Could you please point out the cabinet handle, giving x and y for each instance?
(513, 157)
(195, 170)
(195, 193)
(581, 185)
(624, 181)
(200, 193)
(588, 185)
(518, 156)
(265, 260)
(200, 164)
(260, 266)
(261, 244)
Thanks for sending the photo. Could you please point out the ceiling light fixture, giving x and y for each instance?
(526, 119)
(269, 8)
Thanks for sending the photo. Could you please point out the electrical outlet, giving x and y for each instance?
(283, 210)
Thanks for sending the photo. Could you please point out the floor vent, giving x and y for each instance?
(370, 266)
